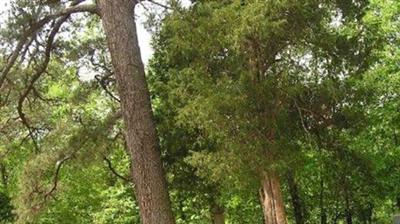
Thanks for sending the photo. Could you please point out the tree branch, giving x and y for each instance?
(102, 81)
(156, 3)
(56, 176)
(109, 164)
(34, 28)
(36, 76)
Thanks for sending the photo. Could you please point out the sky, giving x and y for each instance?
(144, 36)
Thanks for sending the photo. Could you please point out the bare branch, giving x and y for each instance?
(102, 81)
(160, 4)
(144, 6)
(308, 134)
(156, 3)
(109, 164)
(56, 177)
(112, 119)
(101, 65)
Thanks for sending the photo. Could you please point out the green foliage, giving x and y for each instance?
(233, 75)
(6, 209)
(307, 87)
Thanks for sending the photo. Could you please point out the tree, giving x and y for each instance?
(266, 111)
(119, 25)
(142, 142)
(241, 73)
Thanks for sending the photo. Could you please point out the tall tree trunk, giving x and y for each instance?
(347, 212)
(271, 199)
(147, 171)
(217, 214)
(3, 175)
(323, 216)
(335, 218)
(298, 207)
(347, 195)
(348, 215)
(368, 213)
(349, 218)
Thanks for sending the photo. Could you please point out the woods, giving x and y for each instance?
(249, 111)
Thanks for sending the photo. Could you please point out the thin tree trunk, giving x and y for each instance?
(335, 218)
(349, 218)
(3, 175)
(298, 207)
(217, 214)
(271, 199)
(347, 194)
(369, 212)
(323, 216)
(347, 212)
(147, 171)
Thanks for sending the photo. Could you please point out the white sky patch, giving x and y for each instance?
(86, 73)
(143, 35)
(337, 20)
(4, 5)
(186, 3)
(146, 50)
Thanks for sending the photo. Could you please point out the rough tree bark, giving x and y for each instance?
(147, 171)
(271, 199)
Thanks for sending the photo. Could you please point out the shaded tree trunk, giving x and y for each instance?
(347, 194)
(366, 214)
(323, 216)
(3, 175)
(271, 199)
(347, 212)
(217, 214)
(349, 218)
(298, 207)
(335, 218)
(147, 171)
